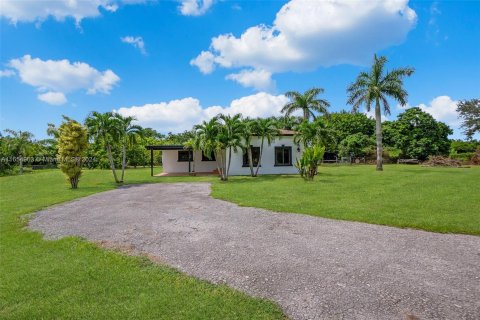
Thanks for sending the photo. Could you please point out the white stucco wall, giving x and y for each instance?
(268, 158)
(172, 165)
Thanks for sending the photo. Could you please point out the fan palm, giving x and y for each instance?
(103, 127)
(307, 102)
(376, 86)
(265, 129)
(129, 134)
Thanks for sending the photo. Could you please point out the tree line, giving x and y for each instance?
(115, 142)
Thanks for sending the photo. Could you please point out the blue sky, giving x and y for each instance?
(156, 60)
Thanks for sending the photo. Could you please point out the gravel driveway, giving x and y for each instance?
(314, 268)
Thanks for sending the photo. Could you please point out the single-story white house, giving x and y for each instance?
(278, 158)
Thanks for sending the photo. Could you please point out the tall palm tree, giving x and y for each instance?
(265, 129)
(129, 134)
(376, 86)
(307, 102)
(230, 136)
(20, 143)
(103, 127)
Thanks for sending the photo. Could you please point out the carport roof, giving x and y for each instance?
(167, 147)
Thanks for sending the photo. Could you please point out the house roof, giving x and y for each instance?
(285, 132)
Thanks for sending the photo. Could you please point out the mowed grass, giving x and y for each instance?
(434, 199)
(74, 279)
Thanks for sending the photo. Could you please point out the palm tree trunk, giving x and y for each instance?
(229, 161)
(378, 133)
(306, 114)
(260, 157)
(112, 164)
(124, 161)
(250, 160)
(218, 162)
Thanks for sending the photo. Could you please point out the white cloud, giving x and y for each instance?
(444, 109)
(40, 10)
(54, 98)
(194, 7)
(205, 62)
(258, 79)
(308, 34)
(137, 42)
(6, 73)
(182, 114)
(61, 76)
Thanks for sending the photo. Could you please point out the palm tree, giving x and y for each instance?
(265, 129)
(307, 102)
(206, 140)
(104, 127)
(313, 133)
(20, 144)
(230, 136)
(129, 133)
(249, 128)
(375, 87)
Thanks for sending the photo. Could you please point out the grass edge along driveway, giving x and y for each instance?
(71, 278)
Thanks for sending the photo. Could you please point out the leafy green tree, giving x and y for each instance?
(376, 87)
(265, 129)
(418, 135)
(308, 103)
(344, 124)
(103, 128)
(72, 143)
(460, 146)
(20, 145)
(357, 144)
(129, 135)
(469, 111)
(311, 158)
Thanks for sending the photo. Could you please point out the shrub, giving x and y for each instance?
(72, 143)
(308, 164)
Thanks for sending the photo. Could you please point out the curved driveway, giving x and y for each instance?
(314, 268)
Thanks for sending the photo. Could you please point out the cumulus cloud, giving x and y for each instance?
(194, 7)
(308, 34)
(54, 98)
(182, 114)
(444, 109)
(258, 79)
(6, 73)
(38, 11)
(61, 76)
(137, 42)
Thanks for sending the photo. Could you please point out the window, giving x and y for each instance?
(205, 158)
(255, 157)
(283, 156)
(184, 156)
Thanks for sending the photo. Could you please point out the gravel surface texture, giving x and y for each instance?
(314, 268)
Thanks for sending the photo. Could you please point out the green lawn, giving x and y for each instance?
(72, 278)
(433, 199)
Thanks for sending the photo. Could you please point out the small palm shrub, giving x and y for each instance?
(308, 164)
